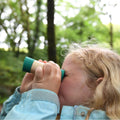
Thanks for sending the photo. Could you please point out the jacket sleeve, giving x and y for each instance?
(9, 103)
(36, 104)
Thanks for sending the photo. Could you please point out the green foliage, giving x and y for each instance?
(11, 73)
(61, 53)
(10, 69)
(2, 99)
(40, 54)
(85, 26)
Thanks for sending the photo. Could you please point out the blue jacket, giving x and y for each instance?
(41, 104)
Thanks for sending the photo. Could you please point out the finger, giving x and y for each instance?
(55, 69)
(47, 69)
(45, 61)
(40, 60)
(55, 64)
(28, 76)
(38, 74)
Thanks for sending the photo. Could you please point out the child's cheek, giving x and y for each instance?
(67, 87)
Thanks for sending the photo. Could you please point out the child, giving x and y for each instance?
(89, 90)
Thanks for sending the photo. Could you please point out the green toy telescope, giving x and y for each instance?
(30, 65)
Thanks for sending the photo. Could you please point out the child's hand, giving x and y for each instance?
(27, 82)
(48, 77)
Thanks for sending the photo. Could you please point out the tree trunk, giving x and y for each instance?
(111, 32)
(37, 26)
(51, 31)
(18, 45)
(26, 24)
(27, 28)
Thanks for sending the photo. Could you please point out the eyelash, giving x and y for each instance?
(65, 75)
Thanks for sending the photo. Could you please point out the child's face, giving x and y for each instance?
(74, 90)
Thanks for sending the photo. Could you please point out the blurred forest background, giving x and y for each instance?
(44, 29)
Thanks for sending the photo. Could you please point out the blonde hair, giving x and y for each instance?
(105, 64)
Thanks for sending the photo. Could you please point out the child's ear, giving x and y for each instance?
(99, 80)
